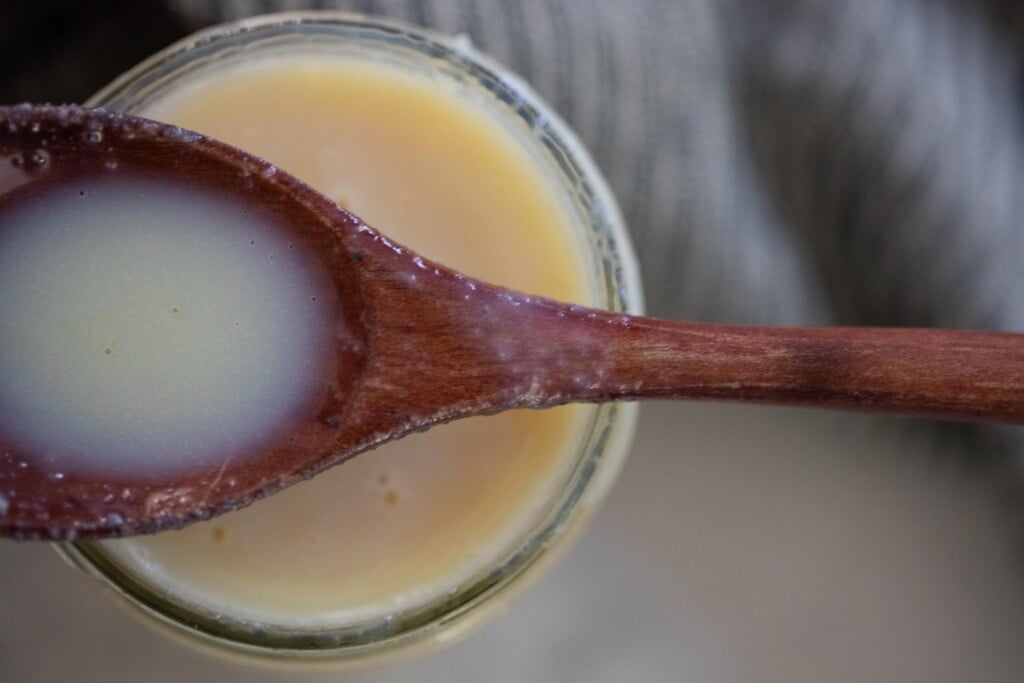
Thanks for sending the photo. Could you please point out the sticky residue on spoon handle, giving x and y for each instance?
(953, 374)
(477, 349)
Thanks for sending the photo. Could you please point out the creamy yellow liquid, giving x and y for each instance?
(410, 521)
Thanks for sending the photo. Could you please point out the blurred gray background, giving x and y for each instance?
(778, 162)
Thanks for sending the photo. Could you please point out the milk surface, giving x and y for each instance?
(149, 326)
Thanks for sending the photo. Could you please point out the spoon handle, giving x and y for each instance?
(502, 349)
(943, 373)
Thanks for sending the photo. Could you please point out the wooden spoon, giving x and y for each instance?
(417, 344)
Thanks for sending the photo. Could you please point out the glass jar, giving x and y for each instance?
(599, 231)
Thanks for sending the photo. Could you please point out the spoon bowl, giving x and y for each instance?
(413, 344)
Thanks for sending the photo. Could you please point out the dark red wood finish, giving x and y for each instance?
(418, 344)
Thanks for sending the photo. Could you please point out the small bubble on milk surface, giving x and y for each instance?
(143, 332)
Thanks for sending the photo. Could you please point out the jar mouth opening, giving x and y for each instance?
(608, 429)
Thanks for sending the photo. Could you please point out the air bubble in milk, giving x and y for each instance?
(36, 161)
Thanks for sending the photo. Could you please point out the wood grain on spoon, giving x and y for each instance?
(417, 344)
